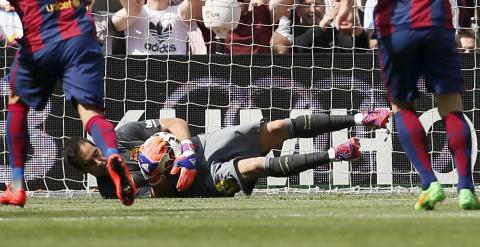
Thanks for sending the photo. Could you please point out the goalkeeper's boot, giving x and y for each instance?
(349, 150)
(428, 198)
(468, 200)
(124, 185)
(377, 118)
(17, 198)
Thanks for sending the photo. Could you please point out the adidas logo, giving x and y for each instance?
(159, 32)
(145, 167)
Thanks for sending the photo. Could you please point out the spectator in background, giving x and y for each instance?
(113, 42)
(463, 11)
(10, 24)
(156, 28)
(282, 38)
(312, 30)
(368, 22)
(256, 25)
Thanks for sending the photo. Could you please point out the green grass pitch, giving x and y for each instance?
(385, 220)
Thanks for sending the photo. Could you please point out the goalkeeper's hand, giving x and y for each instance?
(149, 155)
(185, 164)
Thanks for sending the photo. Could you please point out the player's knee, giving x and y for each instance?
(277, 127)
(272, 134)
(451, 102)
(14, 99)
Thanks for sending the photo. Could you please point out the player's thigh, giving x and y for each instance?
(250, 169)
(84, 71)
(273, 134)
(399, 62)
(30, 81)
(230, 142)
(441, 62)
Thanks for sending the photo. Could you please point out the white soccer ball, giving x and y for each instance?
(174, 149)
(221, 16)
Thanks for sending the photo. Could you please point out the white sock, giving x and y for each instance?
(331, 154)
(358, 118)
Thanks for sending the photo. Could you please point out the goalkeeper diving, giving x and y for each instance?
(219, 163)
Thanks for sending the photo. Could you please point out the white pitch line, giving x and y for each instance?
(431, 215)
(81, 218)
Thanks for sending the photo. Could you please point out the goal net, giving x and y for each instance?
(213, 91)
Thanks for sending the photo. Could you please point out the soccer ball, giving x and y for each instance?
(173, 150)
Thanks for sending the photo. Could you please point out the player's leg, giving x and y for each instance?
(313, 125)
(24, 92)
(101, 130)
(83, 85)
(17, 138)
(443, 77)
(400, 66)
(276, 132)
(17, 143)
(242, 173)
(307, 126)
(104, 137)
(460, 144)
(413, 139)
(250, 169)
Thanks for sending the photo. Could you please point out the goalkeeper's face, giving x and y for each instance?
(92, 160)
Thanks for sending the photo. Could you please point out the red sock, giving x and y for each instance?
(17, 138)
(103, 135)
(460, 144)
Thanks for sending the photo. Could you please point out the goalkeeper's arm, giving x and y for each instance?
(185, 164)
(177, 126)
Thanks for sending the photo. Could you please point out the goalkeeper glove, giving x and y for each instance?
(185, 164)
(149, 156)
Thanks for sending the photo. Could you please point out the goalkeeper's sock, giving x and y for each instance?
(103, 135)
(288, 165)
(17, 140)
(414, 142)
(306, 126)
(460, 144)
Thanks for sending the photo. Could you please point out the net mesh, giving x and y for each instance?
(212, 91)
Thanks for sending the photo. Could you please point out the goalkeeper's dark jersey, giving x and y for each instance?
(129, 137)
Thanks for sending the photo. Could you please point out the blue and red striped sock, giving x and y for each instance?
(414, 142)
(17, 141)
(103, 135)
(460, 144)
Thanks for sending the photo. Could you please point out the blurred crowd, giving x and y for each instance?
(175, 27)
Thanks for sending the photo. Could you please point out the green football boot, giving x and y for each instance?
(428, 198)
(467, 200)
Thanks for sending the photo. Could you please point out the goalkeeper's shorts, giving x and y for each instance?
(218, 151)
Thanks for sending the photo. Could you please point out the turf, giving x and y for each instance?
(316, 220)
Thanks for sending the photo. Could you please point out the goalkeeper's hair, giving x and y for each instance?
(71, 152)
